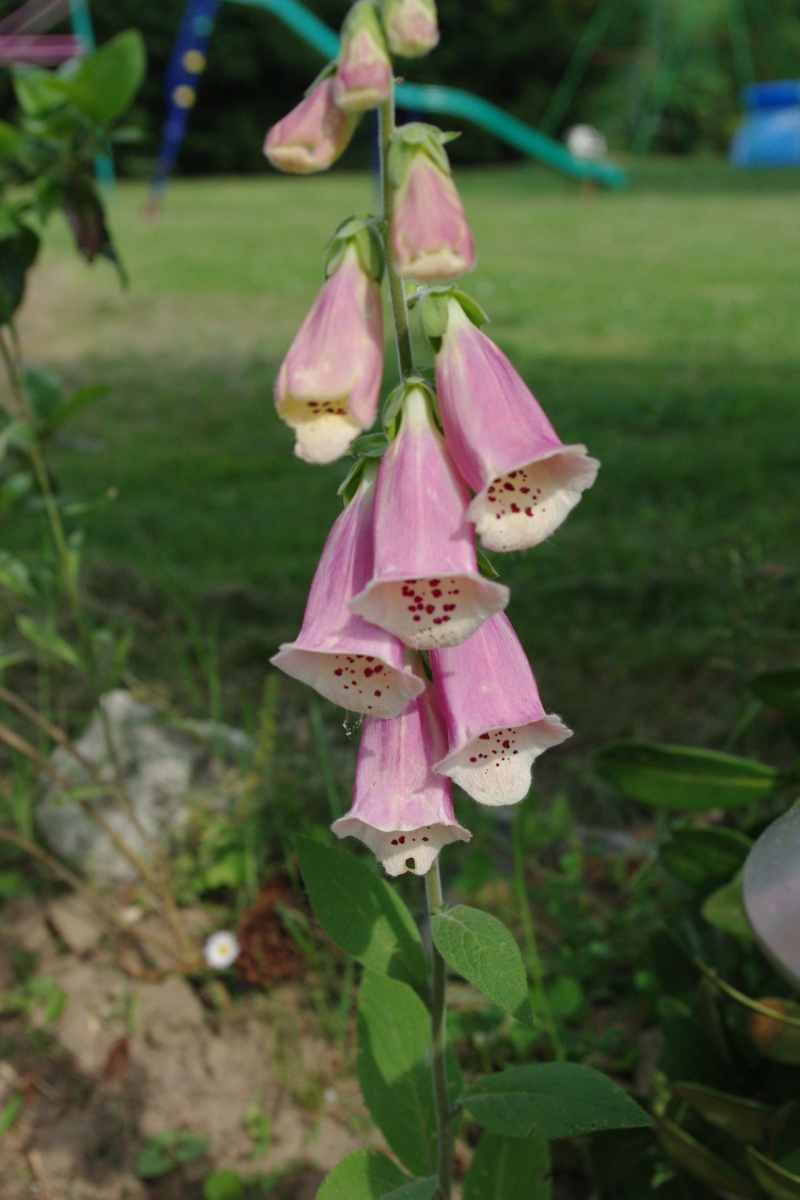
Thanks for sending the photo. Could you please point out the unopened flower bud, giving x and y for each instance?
(431, 238)
(313, 135)
(328, 385)
(363, 76)
(411, 26)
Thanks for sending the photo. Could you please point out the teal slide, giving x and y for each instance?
(423, 98)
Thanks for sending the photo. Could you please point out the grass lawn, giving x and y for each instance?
(659, 326)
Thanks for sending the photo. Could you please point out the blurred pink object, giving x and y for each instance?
(313, 135)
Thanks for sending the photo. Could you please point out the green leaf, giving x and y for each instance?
(10, 1113)
(15, 576)
(704, 857)
(106, 81)
(505, 1168)
(724, 909)
(774, 1179)
(702, 1164)
(771, 892)
(43, 392)
(38, 92)
(744, 1119)
(17, 256)
(682, 779)
(368, 1175)
(48, 641)
(555, 1099)
(362, 913)
(394, 1038)
(224, 1185)
(479, 947)
(781, 691)
(11, 140)
(166, 1151)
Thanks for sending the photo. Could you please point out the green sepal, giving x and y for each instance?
(417, 138)
(485, 565)
(369, 445)
(328, 69)
(393, 407)
(434, 311)
(362, 231)
(364, 467)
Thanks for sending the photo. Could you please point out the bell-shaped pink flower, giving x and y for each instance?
(401, 808)
(328, 385)
(526, 480)
(431, 239)
(363, 76)
(496, 724)
(426, 587)
(347, 660)
(411, 26)
(313, 135)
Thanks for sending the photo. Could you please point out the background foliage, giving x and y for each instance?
(512, 52)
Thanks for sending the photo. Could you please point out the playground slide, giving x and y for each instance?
(424, 98)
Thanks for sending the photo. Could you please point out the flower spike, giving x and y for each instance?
(495, 721)
(425, 588)
(402, 810)
(328, 385)
(313, 135)
(347, 660)
(526, 480)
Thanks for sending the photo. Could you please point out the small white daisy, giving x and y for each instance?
(221, 949)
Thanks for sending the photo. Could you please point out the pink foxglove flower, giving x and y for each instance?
(526, 480)
(347, 660)
(328, 385)
(425, 587)
(412, 28)
(496, 725)
(431, 238)
(401, 808)
(313, 135)
(363, 76)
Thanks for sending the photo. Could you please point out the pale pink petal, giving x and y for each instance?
(402, 810)
(313, 135)
(431, 238)
(496, 724)
(363, 76)
(329, 383)
(347, 660)
(426, 587)
(411, 27)
(526, 480)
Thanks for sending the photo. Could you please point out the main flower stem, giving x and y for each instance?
(433, 881)
(444, 1118)
(397, 296)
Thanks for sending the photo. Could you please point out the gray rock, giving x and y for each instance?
(160, 765)
(75, 922)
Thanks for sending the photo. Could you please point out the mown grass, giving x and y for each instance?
(659, 326)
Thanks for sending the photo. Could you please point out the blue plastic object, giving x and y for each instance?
(769, 135)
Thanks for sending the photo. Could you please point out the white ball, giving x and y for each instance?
(584, 141)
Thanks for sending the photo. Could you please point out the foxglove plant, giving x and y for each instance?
(403, 627)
